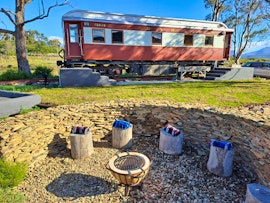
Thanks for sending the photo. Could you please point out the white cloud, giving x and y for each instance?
(255, 46)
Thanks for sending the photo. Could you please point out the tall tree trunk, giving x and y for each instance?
(21, 51)
(216, 10)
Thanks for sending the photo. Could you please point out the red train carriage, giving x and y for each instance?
(107, 38)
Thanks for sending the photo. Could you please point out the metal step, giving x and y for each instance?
(216, 73)
(227, 69)
(209, 78)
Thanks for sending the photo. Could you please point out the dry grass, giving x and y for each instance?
(10, 62)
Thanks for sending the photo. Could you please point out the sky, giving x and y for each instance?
(51, 27)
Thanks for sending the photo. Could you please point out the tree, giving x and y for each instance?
(36, 42)
(7, 44)
(55, 44)
(217, 6)
(17, 18)
(248, 18)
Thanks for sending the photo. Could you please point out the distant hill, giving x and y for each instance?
(262, 53)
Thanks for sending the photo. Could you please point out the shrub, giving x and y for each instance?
(42, 71)
(14, 75)
(11, 174)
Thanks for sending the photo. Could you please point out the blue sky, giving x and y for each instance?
(51, 27)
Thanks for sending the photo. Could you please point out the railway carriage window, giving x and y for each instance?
(117, 36)
(73, 33)
(209, 41)
(156, 38)
(98, 35)
(188, 40)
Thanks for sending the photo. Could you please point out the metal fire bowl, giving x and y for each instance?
(129, 168)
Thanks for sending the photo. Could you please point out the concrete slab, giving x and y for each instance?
(13, 102)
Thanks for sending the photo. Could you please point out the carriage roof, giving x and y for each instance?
(103, 17)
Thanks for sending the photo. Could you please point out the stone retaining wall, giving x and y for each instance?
(35, 135)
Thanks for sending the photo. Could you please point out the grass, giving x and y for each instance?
(223, 93)
(210, 93)
(10, 195)
(11, 174)
(25, 111)
(10, 62)
(217, 93)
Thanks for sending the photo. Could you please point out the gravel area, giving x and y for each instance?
(42, 139)
(172, 178)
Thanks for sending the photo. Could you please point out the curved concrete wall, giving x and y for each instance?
(13, 102)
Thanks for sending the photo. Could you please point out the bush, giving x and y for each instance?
(14, 75)
(11, 174)
(42, 71)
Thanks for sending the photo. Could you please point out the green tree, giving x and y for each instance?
(7, 44)
(17, 18)
(248, 18)
(36, 42)
(55, 45)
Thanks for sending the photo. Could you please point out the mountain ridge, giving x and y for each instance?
(261, 53)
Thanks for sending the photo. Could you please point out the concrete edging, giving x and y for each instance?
(13, 102)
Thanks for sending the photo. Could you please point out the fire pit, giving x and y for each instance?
(129, 168)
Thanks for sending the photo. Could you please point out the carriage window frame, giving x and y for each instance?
(102, 36)
(156, 40)
(73, 33)
(114, 40)
(206, 42)
(188, 40)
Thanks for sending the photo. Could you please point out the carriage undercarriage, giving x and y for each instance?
(142, 68)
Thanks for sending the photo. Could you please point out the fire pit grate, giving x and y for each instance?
(129, 162)
(129, 168)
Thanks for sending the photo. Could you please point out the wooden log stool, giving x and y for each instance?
(170, 140)
(220, 161)
(121, 134)
(81, 142)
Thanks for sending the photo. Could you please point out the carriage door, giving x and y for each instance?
(74, 38)
(227, 46)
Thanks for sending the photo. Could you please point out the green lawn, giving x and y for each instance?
(223, 93)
